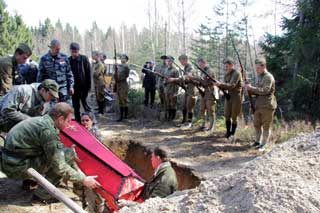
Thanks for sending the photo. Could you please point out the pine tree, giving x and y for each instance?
(12, 31)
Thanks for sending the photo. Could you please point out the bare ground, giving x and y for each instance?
(208, 155)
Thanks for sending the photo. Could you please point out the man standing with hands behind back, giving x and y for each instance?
(81, 70)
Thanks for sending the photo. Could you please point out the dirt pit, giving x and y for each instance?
(138, 157)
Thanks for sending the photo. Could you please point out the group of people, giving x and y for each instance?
(32, 115)
(168, 76)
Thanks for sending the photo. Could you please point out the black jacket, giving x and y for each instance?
(81, 70)
(149, 80)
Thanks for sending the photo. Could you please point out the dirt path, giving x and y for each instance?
(210, 155)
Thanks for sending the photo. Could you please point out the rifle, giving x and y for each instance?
(244, 76)
(201, 92)
(225, 93)
(115, 65)
(156, 73)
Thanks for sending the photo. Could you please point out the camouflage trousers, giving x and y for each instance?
(262, 123)
(15, 167)
(161, 95)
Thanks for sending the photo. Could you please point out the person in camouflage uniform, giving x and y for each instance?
(160, 68)
(98, 80)
(55, 65)
(171, 89)
(123, 86)
(9, 73)
(35, 143)
(24, 101)
(233, 83)
(265, 104)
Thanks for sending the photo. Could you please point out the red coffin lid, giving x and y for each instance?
(84, 139)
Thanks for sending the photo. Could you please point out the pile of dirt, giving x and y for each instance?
(284, 180)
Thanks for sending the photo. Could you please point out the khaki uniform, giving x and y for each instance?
(8, 68)
(190, 94)
(22, 102)
(265, 105)
(163, 183)
(171, 89)
(208, 102)
(160, 82)
(98, 80)
(35, 143)
(233, 83)
(122, 84)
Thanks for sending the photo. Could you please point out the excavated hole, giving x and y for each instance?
(137, 157)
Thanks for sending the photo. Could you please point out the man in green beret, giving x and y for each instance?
(24, 101)
(265, 104)
(9, 67)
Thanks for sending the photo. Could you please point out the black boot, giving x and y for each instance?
(121, 114)
(100, 107)
(168, 115)
(228, 126)
(184, 118)
(233, 129)
(174, 112)
(190, 115)
(125, 112)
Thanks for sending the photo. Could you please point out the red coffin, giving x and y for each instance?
(117, 179)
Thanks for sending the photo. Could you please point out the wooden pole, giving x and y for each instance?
(54, 191)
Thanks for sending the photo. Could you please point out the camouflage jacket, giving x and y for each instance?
(37, 137)
(58, 69)
(8, 67)
(21, 102)
(162, 184)
(264, 91)
(171, 88)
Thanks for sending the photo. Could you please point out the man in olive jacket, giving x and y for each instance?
(265, 105)
(164, 181)
(233, 83)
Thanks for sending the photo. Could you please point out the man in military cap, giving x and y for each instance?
(55, 65)
(9, 67)
(189, 85)
(208, 100)
(35, 143)
(265, 104)
(121, 76)
(25, 101)
(171, 89)
(98, 80)
(233, 83)
(161, 68)
(81, 70)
